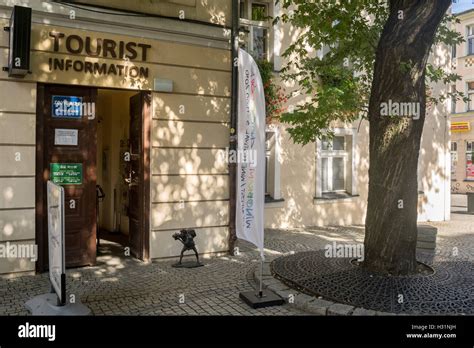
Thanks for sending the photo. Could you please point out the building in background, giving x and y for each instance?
(462, 113)
(323, 184)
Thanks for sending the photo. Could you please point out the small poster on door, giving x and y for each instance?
(66, 107)
(66, 173)
(66, 137)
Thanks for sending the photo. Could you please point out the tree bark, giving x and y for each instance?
(399, 76)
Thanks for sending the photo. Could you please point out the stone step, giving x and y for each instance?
(426, 245)
(427, 234)
(426, 238)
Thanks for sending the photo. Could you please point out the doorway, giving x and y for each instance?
(100, 139)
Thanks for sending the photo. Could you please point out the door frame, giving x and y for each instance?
(41, 215)
(147, 115)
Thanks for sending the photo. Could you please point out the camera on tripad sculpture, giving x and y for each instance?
(186, 236)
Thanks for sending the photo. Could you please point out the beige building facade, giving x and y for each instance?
(188, 122)
(177, 59)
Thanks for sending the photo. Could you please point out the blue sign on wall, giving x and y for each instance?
(66, 107)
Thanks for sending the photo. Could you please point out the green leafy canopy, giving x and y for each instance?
(338, 82)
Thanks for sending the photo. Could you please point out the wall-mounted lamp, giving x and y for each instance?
(20, 40)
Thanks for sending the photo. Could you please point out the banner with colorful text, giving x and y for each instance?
(251, 149)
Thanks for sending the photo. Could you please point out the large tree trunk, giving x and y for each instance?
(399, 76)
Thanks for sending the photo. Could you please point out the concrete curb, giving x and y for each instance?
(309, 304)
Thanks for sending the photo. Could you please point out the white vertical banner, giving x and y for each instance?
(251, 153)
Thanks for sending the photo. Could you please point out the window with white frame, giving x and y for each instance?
(470, 96)
(256, 24)
(334, 157)
(272, 164)
(454, 159)
(469, 160)
(470, 39)
(335, 169)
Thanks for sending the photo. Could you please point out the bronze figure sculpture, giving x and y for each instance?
(186, 236)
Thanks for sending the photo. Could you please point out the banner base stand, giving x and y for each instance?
(46, 304)
(269, 299)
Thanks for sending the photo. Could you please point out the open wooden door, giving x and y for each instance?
(66, 154)
(139, 186)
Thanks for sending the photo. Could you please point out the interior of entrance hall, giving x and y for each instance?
(113, 176)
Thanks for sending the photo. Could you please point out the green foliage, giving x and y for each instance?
(274, 95)
(259, 12)
(340, 80)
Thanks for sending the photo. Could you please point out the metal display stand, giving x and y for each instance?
(55, 302)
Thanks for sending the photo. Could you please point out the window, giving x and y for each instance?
(259, 12)
(454, 159)
(272, 164)
(453, 52)
(470, 39)
(254, 18)
(469, 164)
(335, 171)
(334, 159)
(470, 95)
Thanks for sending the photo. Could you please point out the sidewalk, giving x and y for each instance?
(124, 286)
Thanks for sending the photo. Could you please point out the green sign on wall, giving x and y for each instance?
(66, 173)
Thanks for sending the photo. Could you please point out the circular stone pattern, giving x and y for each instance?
(449, 290)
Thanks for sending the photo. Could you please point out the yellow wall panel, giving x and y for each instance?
(17, 193)
(16, 96)
(211, 11)
(17, 224)
(10, 265)
(17, 160)
(17, 128)
(191, 214)
(189, 188)
(188, 161)
(191, 108)
(189, 134)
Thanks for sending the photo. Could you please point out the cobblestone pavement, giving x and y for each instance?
(119, 285)
(125, 286)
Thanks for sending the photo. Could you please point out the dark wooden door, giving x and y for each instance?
(80, 198)
(139, 187)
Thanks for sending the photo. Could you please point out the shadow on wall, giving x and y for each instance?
(298, 188)
(298, 165)
(189, 172)
(434, 163)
